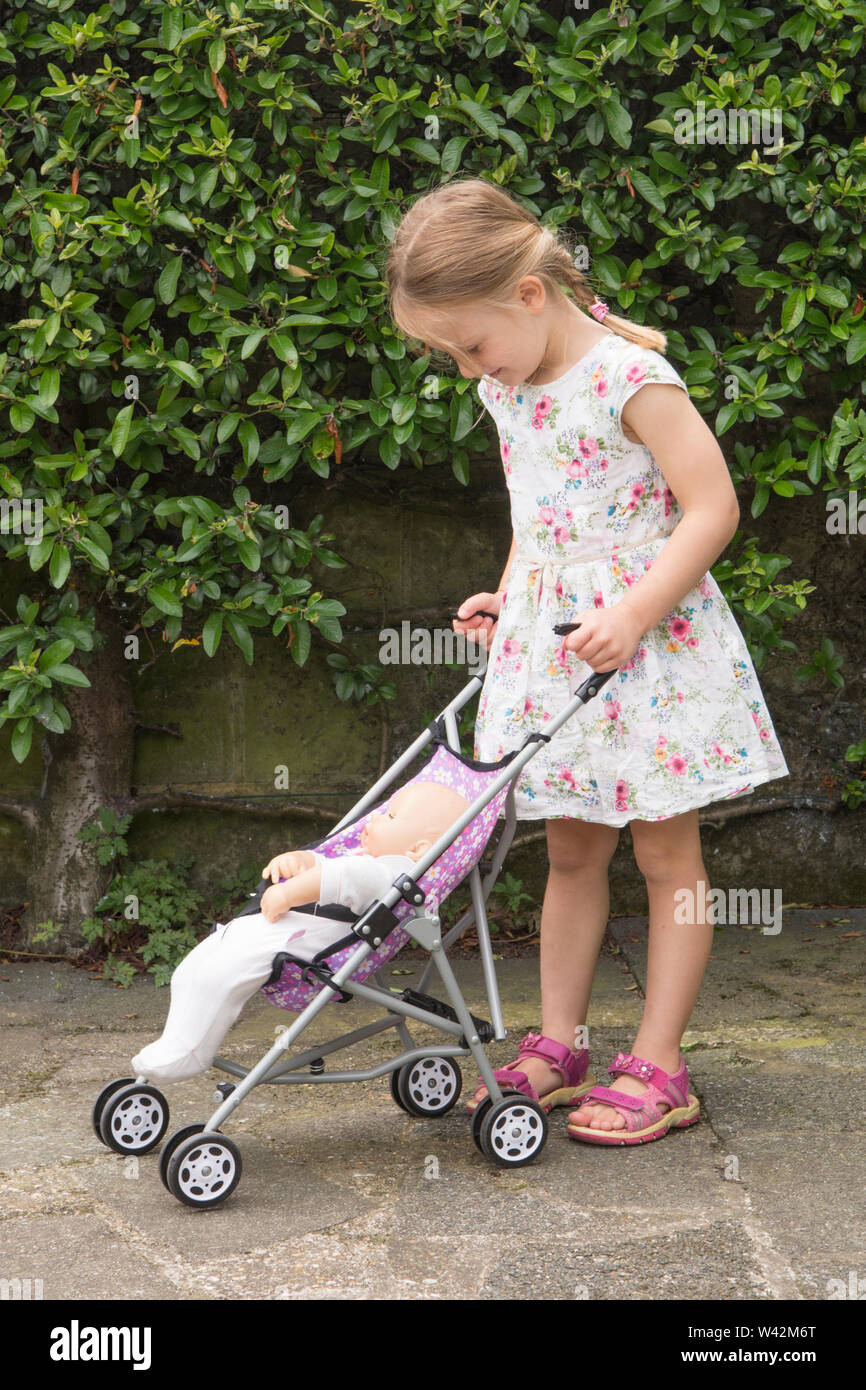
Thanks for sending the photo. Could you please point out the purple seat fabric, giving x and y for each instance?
(291, 991)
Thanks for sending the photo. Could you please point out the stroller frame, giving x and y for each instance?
(201, 1167)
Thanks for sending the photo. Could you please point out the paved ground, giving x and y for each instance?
(339, 1199)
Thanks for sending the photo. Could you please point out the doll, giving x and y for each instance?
(211, 985)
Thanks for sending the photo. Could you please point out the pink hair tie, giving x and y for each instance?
(599, 309)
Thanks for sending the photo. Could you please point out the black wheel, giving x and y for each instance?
(134, 1119)
(478, 1115)
(513, 1132)
(99, 1104)
(204, 1169)
(171, 1144)
(429, 1087)
(394, 1082)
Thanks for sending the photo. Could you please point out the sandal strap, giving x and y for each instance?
(513, 1080)
(637, 1111)
(572, 1066)
(661, 1085)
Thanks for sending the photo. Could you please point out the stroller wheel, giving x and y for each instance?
(99, 1103)
(513, 1131)
(133, 1119)
(171, 1144)
(204, 1169)
(429, 1087)
(394, 1082)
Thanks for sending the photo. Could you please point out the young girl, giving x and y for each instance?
(620, 503)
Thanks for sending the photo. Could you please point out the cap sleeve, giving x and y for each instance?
(640, 367)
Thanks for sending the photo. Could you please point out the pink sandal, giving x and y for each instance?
(644, 1120)
(571, 1066)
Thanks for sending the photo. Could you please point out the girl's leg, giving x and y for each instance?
(208, 990)
(573, 919)
(668, 854)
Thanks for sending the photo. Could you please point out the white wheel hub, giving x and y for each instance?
(516, 1133)
(206, 1171)
(432, 1082)
(135, 1120)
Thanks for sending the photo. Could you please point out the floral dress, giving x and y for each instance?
(684, 722)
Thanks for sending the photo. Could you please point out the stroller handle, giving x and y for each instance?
(589, 688)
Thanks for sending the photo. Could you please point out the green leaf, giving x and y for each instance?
(56, 654)
(211, 633)
(282, 347)
(171, 27)
(163, 597)
(138, 314)
(68, 675)
(240, 635)
(249, 437)
(793, 309)
(855, 347)
(94, 553)
(301, 646)
(181, 223)
(250, 554)
(21, 739)
(186, 371)
(60, 565)
(120, 430)
(21, 417)
(166, 285)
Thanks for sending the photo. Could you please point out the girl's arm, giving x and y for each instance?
(503, 583)
(694, 467)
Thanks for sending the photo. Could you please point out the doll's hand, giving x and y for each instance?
(607, 637)
(289, 864)
(275, 901)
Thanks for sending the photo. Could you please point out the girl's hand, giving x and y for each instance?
(274, 901)
(607, 637)
(478, 629)
(288, 864)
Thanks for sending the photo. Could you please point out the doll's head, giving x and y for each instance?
(414, 819)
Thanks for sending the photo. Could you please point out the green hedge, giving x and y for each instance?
(196, 206)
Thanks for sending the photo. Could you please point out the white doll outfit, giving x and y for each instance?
(211, 985)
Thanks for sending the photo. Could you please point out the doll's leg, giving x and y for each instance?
(208, 990)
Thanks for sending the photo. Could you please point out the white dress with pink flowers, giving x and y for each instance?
(684, 722)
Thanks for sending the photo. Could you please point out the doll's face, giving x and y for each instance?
(415, 817)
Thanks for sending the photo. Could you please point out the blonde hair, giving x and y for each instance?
(467, 241)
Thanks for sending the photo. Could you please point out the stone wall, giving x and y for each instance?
(416, 547)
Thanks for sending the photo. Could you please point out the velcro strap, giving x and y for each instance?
(604, 1093)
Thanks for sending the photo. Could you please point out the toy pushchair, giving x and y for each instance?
(200, 1165)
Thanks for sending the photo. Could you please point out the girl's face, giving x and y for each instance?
(507, 344)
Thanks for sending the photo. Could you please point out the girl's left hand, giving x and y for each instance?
(607, 637)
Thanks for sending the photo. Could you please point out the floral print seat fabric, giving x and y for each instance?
(684, 722)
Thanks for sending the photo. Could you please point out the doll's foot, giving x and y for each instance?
(160, 1063)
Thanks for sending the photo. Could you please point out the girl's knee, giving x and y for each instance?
(662, 857)
(580, 846)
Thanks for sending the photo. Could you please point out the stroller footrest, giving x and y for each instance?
(486, 1032)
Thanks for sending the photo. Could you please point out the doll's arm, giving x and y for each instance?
(288, 864)
(304, 887)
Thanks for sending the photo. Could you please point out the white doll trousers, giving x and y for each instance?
(211, 985)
